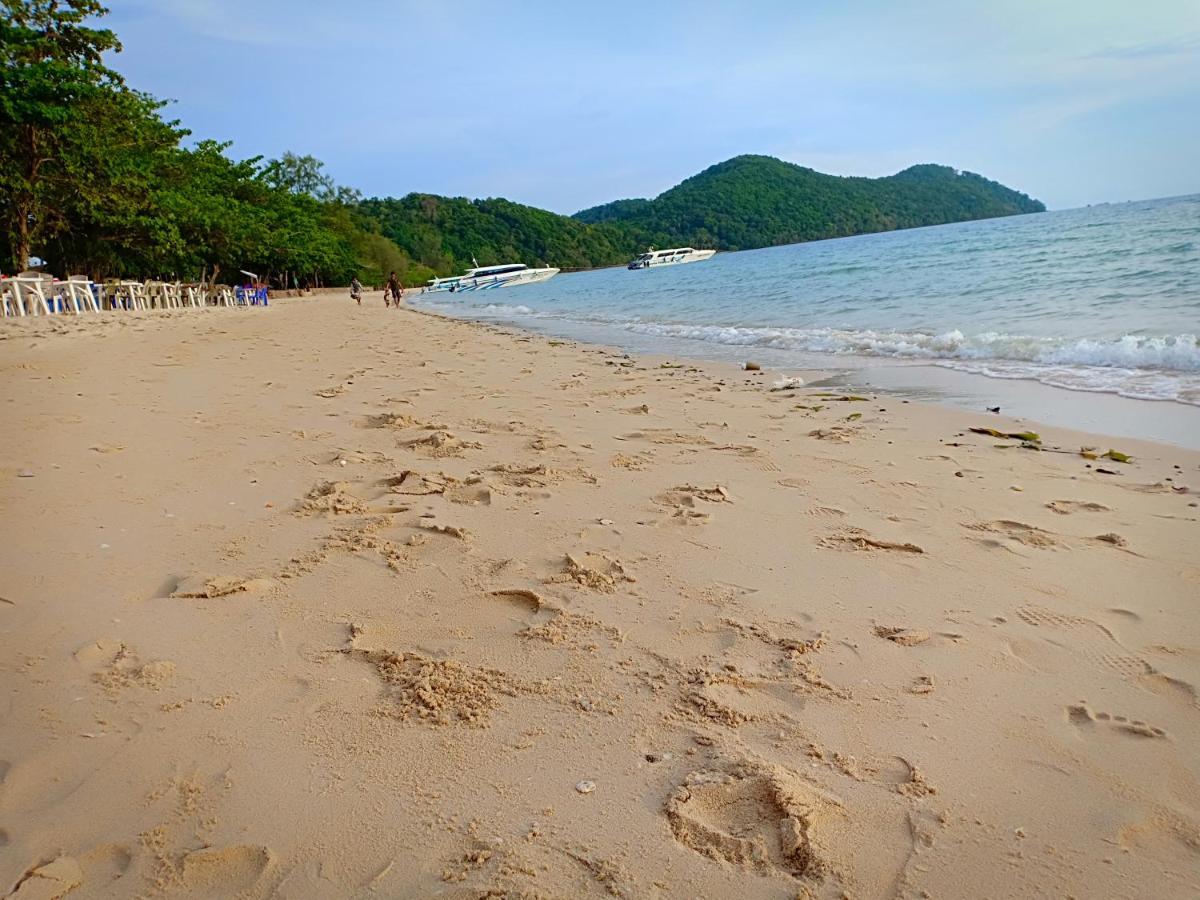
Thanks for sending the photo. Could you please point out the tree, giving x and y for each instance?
(300, 175)
(50, 67)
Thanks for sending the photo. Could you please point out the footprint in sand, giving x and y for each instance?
(391, 420)
(472, 492)
(825, 512)
(750, 454)
(731, 698)
(1066, 507)
(683, 500)
(1084, 718)
(49, 881)
(434, 691)
(837, 434)
(106, 862)
(210, 586)
(903, 777)
(411, 483)
(637, 462)
(665, 436)
(334, 498)
(546, 620)
(593, 570)
(1095, 642)
(120, 667)
(440, 444)
(857, 539)
(761, 819)
(798, 484)
(232, 871)
(453, 531)
(1019, 532)
(905, 637)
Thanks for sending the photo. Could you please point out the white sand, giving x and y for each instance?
(321, 601)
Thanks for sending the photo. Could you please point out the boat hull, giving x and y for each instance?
(677, 260)
(515, 279)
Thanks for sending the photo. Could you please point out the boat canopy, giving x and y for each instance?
(484, 271)
(658, 253)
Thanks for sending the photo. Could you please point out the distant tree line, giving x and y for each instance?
(94, 179)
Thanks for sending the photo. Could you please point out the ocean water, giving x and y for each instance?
(1101, 299)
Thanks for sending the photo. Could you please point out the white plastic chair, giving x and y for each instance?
(31, 293)
(135, 293)
(10, 297)
(76, 292)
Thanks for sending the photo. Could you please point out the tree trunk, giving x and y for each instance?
(21, 248)
(24, 201)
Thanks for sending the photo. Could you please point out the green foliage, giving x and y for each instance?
(758, 201)
(94, 180)
(444, 233)
(51, 77)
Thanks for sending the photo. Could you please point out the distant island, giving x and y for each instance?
(740, 204)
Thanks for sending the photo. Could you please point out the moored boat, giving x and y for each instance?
(653, 258)
(482, 278)
(440, 284)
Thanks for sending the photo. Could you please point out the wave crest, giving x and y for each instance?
(1172, 352)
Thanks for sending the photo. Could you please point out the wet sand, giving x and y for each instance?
(319, 600)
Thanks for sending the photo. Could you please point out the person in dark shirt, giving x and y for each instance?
(394, 290)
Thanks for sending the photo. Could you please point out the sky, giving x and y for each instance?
(568, 104)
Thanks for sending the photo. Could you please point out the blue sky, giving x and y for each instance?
(568, 104)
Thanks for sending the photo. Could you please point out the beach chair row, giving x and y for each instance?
(38, 295)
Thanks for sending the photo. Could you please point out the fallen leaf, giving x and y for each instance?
(1029, 436)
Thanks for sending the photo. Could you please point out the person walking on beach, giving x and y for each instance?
(356, 289)
(392, 291)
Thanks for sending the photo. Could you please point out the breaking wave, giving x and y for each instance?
(1179, 352)
(1139, 366)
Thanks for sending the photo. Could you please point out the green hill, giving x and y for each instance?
(442, 234)
(744, 202)
(759, 201)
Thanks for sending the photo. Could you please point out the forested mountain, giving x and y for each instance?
(759, 201)
(745, 202)
(442, 234)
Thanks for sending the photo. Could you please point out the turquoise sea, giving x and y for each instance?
(1104, 299)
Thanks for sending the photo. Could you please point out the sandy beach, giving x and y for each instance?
(319, 600)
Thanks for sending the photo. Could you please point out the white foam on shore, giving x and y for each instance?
(1136, 366)
(1143, 367)
(1178, 352)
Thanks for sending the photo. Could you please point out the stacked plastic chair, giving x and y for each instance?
(36, 294)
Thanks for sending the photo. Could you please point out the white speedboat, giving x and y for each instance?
(484, 278)
(652, 257)
(440, 284)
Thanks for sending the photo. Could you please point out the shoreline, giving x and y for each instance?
(322, 599)
(1171, 422)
